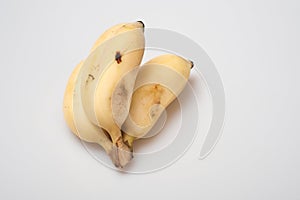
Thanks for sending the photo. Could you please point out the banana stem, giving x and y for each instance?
(120, 156)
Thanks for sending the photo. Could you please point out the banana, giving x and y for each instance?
(108, 77)
(108, 92)
(77, 120)
(112, 50)
(158, 83)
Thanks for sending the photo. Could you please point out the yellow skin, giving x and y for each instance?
(68, 109)
(115, 30)
(103, 95)
(105, 105)
(68, 99)
(73, 106)
(117, 51)
(92, 134)
(146, 97)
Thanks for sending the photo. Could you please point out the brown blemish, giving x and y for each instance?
(91, 77)
(152, 114)
(124, 91)
(157, 91)
(118, 57)
(156, 86)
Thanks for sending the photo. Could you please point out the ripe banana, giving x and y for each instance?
(77, 120)
(108, 92)
(114, 54)
(108, 77)
(158, 83)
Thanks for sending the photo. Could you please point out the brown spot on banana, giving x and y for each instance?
(157, 93)
(121, 97)
(123, 91)
(90, 78)
(118, 57)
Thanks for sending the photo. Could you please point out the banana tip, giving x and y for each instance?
(142, 23)
(192, 64)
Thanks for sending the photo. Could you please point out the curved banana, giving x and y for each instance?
(77, 120)
(77, 94)
(158, 83)
(108, 77)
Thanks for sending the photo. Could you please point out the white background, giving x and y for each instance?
(255, 46)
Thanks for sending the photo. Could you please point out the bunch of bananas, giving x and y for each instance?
(111, 100)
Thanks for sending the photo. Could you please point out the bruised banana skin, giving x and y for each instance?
(158, 83)
(82, 127)
(108, 85)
